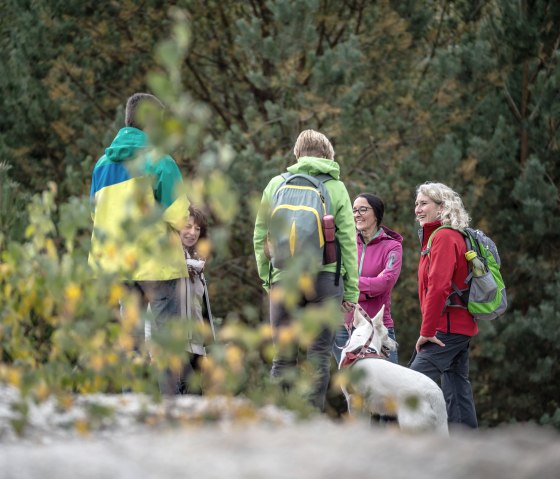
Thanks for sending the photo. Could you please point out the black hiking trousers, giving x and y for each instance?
(450, 366)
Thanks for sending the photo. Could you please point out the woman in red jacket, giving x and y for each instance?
(442, 350)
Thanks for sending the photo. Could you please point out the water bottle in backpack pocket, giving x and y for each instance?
(329, 231)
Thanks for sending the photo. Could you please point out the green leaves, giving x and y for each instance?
(74, 219)
(408, 91)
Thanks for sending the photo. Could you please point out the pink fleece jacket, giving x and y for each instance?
(379, 266)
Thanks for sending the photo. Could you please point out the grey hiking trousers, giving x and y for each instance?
(319, 351)
(163, 298)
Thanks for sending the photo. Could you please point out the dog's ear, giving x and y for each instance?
(358, 316)
(379, 315)
(378, 319)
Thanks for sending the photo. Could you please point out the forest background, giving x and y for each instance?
(465, 92)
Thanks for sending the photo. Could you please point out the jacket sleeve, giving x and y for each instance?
(346, 236)
(385, 281)
(93, 191)
(442, 262)
(92, 198)
(259, 237)
(168, 191)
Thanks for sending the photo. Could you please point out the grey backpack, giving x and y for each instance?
(296, 220)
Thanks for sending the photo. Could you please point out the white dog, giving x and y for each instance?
(388, 388)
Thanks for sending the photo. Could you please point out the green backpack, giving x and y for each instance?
(485, 297)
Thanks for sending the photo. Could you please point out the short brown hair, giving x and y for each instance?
(133, 106)
(313, 143)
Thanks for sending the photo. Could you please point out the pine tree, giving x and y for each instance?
(463, 92)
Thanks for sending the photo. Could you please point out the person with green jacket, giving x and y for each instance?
(138, 211)
(315, 157)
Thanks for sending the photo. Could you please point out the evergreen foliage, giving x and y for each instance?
(463, 92)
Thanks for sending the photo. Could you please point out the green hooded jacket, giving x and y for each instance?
(341, 209)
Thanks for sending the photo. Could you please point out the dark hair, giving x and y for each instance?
(200, 220)
(133, 105)
(376, 203)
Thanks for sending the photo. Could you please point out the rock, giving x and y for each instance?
(319, 449)
(229, 438)
(122, 414)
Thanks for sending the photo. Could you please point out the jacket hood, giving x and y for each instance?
(316, 166)
(126, 144)
(387, 234)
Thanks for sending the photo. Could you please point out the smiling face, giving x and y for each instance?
(426, 209)
(364, 216)
(190, 234)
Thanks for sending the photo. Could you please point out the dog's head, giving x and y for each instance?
(363, 327)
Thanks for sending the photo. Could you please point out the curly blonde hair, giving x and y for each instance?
(313, 143)
(452, 213)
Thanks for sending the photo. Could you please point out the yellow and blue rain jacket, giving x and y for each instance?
(138, 210)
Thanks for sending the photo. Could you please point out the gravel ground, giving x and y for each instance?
(217, 438)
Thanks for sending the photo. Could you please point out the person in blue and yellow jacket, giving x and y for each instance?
(138, 211)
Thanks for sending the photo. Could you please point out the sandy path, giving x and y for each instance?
(265, 445)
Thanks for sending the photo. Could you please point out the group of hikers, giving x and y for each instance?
(306, 214)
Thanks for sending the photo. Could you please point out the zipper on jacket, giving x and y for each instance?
(364, 247)
(448, 324)
(362, 260)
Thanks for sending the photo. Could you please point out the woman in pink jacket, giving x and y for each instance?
(379, 264)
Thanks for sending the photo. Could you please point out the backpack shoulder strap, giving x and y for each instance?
(324, 177)
(286, 178)
(289, 177)
(317, 182)
(431, 238)
(442, 227)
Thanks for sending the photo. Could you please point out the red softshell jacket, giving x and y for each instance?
(444, 265)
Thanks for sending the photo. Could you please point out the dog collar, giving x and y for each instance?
(354, 356)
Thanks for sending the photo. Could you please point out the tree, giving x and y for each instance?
(464, 92)
(69, 67)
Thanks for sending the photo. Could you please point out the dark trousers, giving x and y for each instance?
(319, 351)
(190, 368)
(163, 298)
(450, 364)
